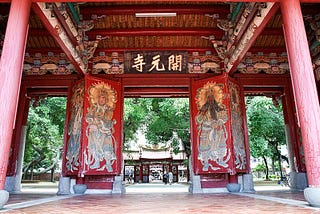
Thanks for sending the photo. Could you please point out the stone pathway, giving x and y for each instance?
(159, 198)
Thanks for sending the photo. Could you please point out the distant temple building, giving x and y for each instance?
(145, 163)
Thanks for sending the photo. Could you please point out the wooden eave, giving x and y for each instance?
(122, 31)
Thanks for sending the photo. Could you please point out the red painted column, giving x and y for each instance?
(11, 63)
(304, 86)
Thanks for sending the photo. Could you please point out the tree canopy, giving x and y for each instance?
(44, 139)
(161, 119)
(266, 128)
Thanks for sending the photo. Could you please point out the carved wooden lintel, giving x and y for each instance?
(260, 63)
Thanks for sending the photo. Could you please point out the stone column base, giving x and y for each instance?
(64, 186)
(298, 181)
(80, 188)
(13, 184)
(118, 186)
(312, 194)
(4, 196)
(233, 187)
(247, 183)
(72, 183)
(195, 184)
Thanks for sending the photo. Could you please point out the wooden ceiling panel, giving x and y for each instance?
(275, 22)
(189, 30)
(30, 42)
(269, 41)
(150, 42)
(132, 22)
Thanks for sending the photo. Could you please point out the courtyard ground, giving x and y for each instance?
(158, 198)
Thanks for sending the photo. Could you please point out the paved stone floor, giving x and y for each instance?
(160, 198)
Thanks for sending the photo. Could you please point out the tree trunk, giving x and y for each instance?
(52, 175)
(280, 167)
(266, 165)
(273, 166)
(31, 175)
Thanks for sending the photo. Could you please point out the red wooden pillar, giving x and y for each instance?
(141, 173)
(11, 69)
(291, 124)
(21, 120)
(306, 97)
(304, 86)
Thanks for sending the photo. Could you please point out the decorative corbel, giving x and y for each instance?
(225, 25)
(90, 47)
(218, 45)
(86, 47)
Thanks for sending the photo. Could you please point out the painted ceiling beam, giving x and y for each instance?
(122, 50)
(126, 1)
(56, 51)
(246, 23)
(137, 91)
(278, 50)
(142, 32)
(56, 30)
(248, 38)
(65, 25)
(45, 51)
(157, 32)
(47, 91)
(179, 9)
(263, 80)
(49, 81)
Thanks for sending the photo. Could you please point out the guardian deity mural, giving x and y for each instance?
(74, 129)
(211, 119)
(237, 127)
(100, 153)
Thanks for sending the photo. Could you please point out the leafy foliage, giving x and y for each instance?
(44, 133)
(161, 119)
(260, 168)
(135, 116)
(266, 128)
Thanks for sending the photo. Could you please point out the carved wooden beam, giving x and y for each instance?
(57, 31)
(241, 25)
(156, 32)
(65, 20)
(255, 28)
(179, 9)
(303, 1)
(125, 1)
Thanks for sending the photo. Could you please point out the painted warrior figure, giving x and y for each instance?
(212, 133)
(74, 130)
(100, 127)
(237, 128)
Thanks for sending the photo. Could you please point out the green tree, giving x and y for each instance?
(135, 116)
(161, 119)
(260, 168)
(169, 121)
(266, 129)
(44, 138)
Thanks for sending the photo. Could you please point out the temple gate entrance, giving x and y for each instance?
(236, 32)
(93, 147)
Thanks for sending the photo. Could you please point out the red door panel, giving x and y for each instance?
(101, 132)
(212, 143)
